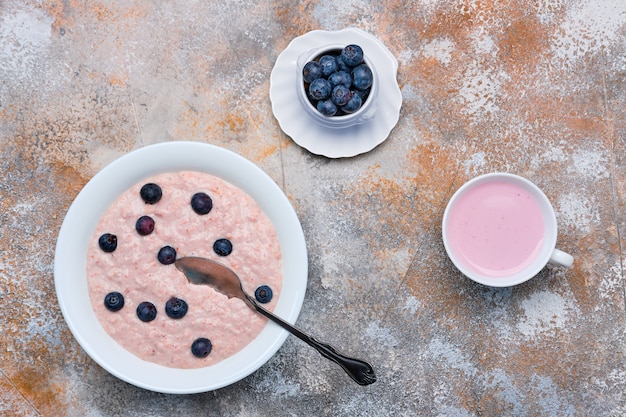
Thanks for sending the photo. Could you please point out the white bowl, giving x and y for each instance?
(70, 264)
(362, 115)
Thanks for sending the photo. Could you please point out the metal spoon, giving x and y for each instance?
(225, 280)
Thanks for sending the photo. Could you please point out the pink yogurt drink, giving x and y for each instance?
(496, 229)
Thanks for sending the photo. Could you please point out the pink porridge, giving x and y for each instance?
(234, 231)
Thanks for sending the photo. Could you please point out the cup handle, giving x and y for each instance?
(561, 258)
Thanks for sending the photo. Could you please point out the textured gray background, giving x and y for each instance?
(533, 87)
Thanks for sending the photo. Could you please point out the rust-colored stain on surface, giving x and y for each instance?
(41, 392)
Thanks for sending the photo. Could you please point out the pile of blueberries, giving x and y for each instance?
(175, 308)
(338, 82)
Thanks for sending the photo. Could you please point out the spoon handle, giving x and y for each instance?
(360, 371)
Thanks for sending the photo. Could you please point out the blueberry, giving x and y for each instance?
(352, 55)
(108, 242)
(311, 71)
(362, 77)
(340, 78)
(151, 193)
(341, 95)
(144, 225)
(328, 64)
(327, 107)
(201, 347)
(114, 301)
(146, 311)
(222, 247)
(363, 93)
(342, 66)
(201, 203)
(175, 308)
(353, 104)
(319, 89)
(167, 255)
(263, 294)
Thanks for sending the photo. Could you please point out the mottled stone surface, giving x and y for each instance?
(532, 87)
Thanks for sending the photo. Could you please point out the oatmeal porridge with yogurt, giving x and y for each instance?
(146, 304)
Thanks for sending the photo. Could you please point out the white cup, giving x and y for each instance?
(500, 230)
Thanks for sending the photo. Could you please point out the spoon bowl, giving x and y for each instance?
(203, 271)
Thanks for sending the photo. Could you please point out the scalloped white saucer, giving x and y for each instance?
(322, 140)
(70, 263)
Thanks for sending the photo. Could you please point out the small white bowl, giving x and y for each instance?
(362, 115)
(70, 264)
